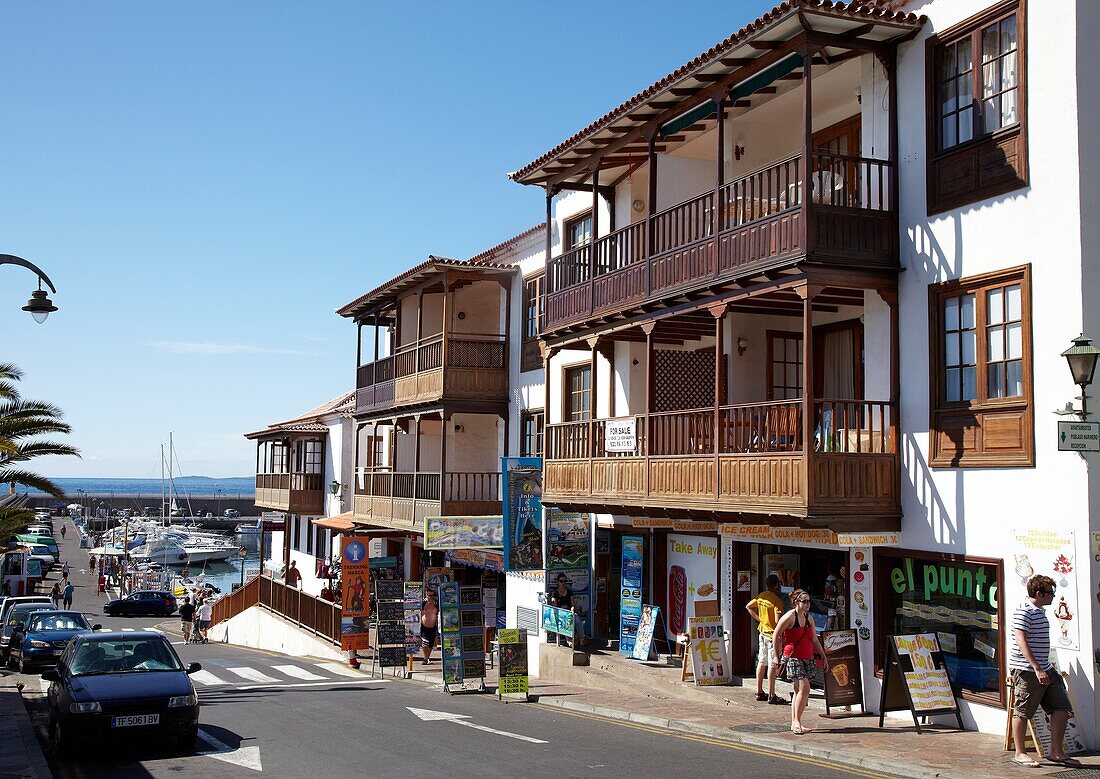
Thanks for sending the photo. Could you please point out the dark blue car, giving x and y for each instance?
(124, 686)
(43, 637)
(146, 603)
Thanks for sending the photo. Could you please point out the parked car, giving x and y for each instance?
(10, 602)
(16, 618)
(121, 685)
(39, 530)
(231, 514)
(148, 603)
(44, 636)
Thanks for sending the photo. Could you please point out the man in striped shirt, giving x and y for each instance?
(1035, 683)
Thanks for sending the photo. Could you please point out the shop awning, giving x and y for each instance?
(340, 523)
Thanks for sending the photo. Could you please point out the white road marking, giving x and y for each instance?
(128, 630)
(251, 674)
(245, 757)
(427, 715)
(45, 684)
(340, 670)
(154, 630)
(330, 683)
(205, 677)
(298, 673)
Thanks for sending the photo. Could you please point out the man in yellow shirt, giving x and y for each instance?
(766, 609)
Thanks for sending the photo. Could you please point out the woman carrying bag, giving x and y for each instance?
(797, 635)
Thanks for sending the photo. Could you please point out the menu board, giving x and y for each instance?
(916, 678)
(513, 662)
(391, 610)
(414, 602)
(391, 656)
(843, 679)
(388, 589)
(391, 633)
(709, 662)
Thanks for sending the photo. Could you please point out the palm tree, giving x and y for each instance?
(22, 422)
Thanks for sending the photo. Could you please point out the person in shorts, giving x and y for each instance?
(187, 616)
(205, 613)
(765, 609)
(1035, 682)
(797, 634)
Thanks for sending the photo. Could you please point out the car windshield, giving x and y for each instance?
(57, 622)
(123, 655)
(18, 617)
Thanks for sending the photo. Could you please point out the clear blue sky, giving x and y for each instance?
(205, 182)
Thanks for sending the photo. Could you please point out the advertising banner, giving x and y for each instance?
(843, 680)
(643, 644)
(692, 577)
(450, 629)
(709, 662)
(479, 558)
(567, 540)
(433, 577)
(579, 583)
(522, 477)
(355, 607)
(463, 532)
(414, 603)
(559, 621)
(513, 662)
(1050, 553)
(630, 593)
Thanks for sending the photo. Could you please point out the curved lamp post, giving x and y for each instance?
(39, 306)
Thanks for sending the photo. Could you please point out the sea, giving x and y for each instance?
(196, 486)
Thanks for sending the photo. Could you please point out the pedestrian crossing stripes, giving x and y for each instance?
(251, 674)
(132, 630)
(206, 678)
(298, 673)
(339, 670)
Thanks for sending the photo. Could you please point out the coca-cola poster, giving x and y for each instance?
(692, 580)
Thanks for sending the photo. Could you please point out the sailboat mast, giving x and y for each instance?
(171, 484)
(162, 513)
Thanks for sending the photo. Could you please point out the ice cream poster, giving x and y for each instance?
(1050, 553)
(692, 578)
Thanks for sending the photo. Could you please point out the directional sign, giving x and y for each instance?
(1079, 436)
(427, 715)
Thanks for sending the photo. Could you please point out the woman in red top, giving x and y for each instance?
(798, 637)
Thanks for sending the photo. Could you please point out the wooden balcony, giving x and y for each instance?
(761, 224)
(403, 500)
(467, 367)
(741, 459)
(295, 493)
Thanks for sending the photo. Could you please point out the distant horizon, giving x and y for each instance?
(143, 478)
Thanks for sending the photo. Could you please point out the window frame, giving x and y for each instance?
(537, 417)
(530, 354)
(567, 393)
(981, 405)
(567, 230)
(880, 611)
(974, 153)
(770, 336)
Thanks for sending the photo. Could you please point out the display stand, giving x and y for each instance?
(919, 668)
(513, 681)
(461, 611)
(842, 677)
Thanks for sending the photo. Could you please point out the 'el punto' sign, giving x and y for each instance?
(1079, 436)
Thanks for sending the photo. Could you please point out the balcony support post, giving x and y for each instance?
(720, 178)
(890, 298)
(807, 150)
(889, 60)
(595, 223)
(419, 326)
(443, 417)
(648, 328)
(651, 208)
(446, 329)
(719, 313)
(550, 271)
(593, 410)
(416, 460)
(375, 373)
(808, 292)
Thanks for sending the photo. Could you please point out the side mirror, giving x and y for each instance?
(194, 667)
(51, 675)
(97, 626)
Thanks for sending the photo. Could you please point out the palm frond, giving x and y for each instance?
(22, 407)
(10, 371)
(31, 449)
(14, 428)
(13, 519)
(32, 480)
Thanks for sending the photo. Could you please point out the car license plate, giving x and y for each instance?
(135, 719)
(56, 651)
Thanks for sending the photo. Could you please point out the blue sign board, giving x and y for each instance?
(522, 478)
(555, 620)
(630, 593)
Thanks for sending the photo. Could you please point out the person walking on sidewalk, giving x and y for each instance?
(187, 616)
(65, 571)
(62, 532)
(429, 627)
(205, 614)
(765, 610)
(797, 634)
(67, 593)
(55, 595)
(1035, 682)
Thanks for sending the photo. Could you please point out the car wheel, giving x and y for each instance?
(188, 741)
(58, 739)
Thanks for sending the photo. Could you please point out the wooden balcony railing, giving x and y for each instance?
(273, 481)
(320, 617)
(759, 220)
(457, 486)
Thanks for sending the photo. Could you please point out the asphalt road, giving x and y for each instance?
(283, 716)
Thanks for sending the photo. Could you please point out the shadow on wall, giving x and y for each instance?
(939, 526)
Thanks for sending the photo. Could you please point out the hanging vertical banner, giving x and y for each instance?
(630, 593)
(355, 607)
(1051, 553)
(522, 477)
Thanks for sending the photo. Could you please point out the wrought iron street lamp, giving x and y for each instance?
(39, 306)
(243, 553)
(1082, 365)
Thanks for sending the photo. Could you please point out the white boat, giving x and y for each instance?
(249, 528)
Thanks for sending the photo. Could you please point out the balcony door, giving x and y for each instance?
(838, 362)
(577, 405)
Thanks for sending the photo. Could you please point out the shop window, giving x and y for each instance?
(977, 130)
(534, 301)
(957, 598)
(784, 365)
(981, 371)
(531, 432)
(578, 393)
